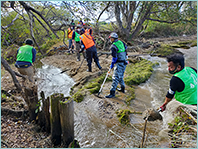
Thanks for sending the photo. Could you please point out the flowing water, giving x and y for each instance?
(94, 132)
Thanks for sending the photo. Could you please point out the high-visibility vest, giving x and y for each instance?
(25, 54)
(69, 33)
(77, 37)
(119, 44)
(87, 40)
(189, 94)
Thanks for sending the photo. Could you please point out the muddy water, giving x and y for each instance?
(158, 84)
(95, 131)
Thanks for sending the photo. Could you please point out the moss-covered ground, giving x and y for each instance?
(167, 49)
(138, 72)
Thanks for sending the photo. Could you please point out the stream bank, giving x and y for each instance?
(99, 113)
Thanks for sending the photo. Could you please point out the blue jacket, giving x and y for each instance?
(117, 57)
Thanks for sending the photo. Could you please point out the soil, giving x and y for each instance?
(19, 132)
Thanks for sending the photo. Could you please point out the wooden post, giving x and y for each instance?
(66, 108)
(55, 119)
(44, 115)
(46, 104)
(31, 98)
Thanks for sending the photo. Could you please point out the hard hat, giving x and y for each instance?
(29, 41)
(113, 35)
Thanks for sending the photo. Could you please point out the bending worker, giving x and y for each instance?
(26, 55)
(183, 84)
(76, 41)
(88, 43)
(119, 54)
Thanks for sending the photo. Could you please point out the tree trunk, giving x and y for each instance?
(7, 67)
(55, 119)
(66, 109)
(31, 98)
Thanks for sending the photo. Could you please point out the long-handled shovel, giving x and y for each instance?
(104, 82)
(150, 115)
(78, 68)
(80, 64)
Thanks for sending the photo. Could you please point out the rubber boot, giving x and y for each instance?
(111, 95)
(122, 89)
(89, 66)
(89, 69)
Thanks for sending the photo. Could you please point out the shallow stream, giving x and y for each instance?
(94, 132)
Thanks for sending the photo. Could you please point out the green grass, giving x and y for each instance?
(123, 116)
(95, 84)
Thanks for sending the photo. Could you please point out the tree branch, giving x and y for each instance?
(28, 8)
(12, 22)
(7, 67)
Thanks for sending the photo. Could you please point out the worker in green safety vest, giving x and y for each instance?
(26, 55)
(119, 59)
(183, 84)
(76, 41)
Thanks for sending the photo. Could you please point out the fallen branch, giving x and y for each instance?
(103, 53)
(17, 113)
(188, 114)
(119, 137)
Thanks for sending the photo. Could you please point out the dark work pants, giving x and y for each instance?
(92, 53)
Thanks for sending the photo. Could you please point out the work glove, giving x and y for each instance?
(112, 65)
(114, 59)
(163, 107)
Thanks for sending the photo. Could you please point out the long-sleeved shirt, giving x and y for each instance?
(23, 64)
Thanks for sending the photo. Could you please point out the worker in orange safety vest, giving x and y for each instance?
(69, 36)
(88, 44)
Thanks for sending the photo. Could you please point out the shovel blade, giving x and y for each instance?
(152, 115)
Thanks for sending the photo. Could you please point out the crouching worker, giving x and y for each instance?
(26, 55)
(183, 84)
(88, 43)
(119, 53)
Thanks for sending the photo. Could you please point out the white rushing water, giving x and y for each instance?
(50, 80)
